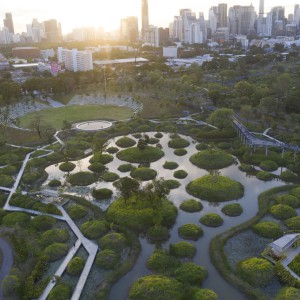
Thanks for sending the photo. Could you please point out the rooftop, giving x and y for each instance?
(120, 61)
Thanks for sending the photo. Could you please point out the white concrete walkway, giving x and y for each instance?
(290, 255)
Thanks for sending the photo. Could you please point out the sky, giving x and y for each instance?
(107, 13)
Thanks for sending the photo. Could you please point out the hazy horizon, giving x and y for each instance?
(108, 15)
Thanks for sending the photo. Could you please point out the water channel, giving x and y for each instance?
(253, 187)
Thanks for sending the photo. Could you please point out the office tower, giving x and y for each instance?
(188, 17)
(261, 21)
(163, 35)
(152, 36)
(297, 15)
(145, 17)
(213, 19)
(278, 21)
(129, 29)
(176, 27)
(222, 15)
(8, 22)
(52, 30)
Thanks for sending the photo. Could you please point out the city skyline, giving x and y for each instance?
(107, 16)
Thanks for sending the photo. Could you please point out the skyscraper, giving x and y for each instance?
(129, 29)
(8, 22)
(222, 15)
(145, 17)
(261, 21)
(52, 30)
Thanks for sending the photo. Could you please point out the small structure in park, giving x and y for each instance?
(283, 244)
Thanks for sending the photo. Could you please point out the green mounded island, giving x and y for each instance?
(191, 205)
(211, 220)
(215, 188)
(232, 210)
(143, 173)
(125, 142)
(212, 159)
(190, 232)
(135, 155)
(178, 143)
(268, 229)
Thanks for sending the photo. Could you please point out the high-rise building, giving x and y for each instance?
(222, 15)
(213, 19)
(145, 18)
(297, 15)
(261, 21)
(152, 36)
(52, 30)
(164, 36)
(129, 29)
(188, 17)
(8, 22)
(278, 21)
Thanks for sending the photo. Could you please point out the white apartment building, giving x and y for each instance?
(75, 60)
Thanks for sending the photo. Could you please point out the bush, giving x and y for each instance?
(232, 210)
(191, 206)
(110, 176)
(54, 236)
(163, 263)
(42, 223)
(288, 293)
(143, 174)
(102, 194)
(157, 233)
(125, 168)
(94, 229)
(224, 146)
(288, 176)
(153, 141)
(76, 211)
(97, 167)
(296, 192)
(137, 135)
(212, 159)
(113, 241)
(135, 155)
(112, 150)
(282, 212)
(107, 259)
(289, 200)
(268, 165)
(295, 265)
(172, 184)
(170, 165)
(67, 167)
(201, 146)
(180, 152)
(156, 287)
(6, 180)
(205, 294)
(190, 232)
(9, 170)
(16, 218)
(158, 135)
(265, 176)
(256, 271)
(190, 273)
(54, 183)
(180, 174)
(75, 266)
(178, 143)
(56, 251)
(101, 158)
(10, 286)
(125, 142)
(82, 178)
(211, 220)
(215, 188)
(246, 168)
(60, 292)
(268, 229)
(183, 250)
(293, 223)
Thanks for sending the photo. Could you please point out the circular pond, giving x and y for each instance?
(93, 125)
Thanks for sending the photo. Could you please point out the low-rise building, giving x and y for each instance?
(26, 52)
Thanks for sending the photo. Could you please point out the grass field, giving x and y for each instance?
(73, 114)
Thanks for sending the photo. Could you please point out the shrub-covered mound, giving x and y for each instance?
(158, 135)
(288, 200)
(110, 176)
(54, 236)
(246, 168)
(153, 141)
(172, 184)
(211, 220)
(113, 241)
(16, 218)
(82, 178)
(67, 166)
(282, 212)
(183, 250)
(170, 165)
(56, 251)
(180, 152)
(201, 146)
(190, 232)
(268, 229)
(97, 167)
(288, 176)
(143, 173)
(54, 183)
(295, 265)
(76, 211)
(180, 174)
(42, 223)
(140, 214)
(102, 194)
(215, 188)
(296, 192)
(107, 259)
(232, 210)
(162, 262)
(265, 176)
(156, 287)
(256, 271)
(101, 158)
(212, 159)
(135, 155)
(178, 143)
(75, 266)
(112, 150)
(125, 142)
(94, 229)
(268, 165)
(125, 168)
(60, 292)
(293, 223)
(191, 205)
(157, 233)
(205, 294)
(288, 293)
(6, 180)
(190, 273)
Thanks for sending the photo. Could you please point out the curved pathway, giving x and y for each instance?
(7, 261)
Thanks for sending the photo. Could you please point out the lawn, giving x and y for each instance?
(76, 113)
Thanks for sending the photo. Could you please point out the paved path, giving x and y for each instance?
(57, 138)
(290, 256)
(7, 261)
(5, 189)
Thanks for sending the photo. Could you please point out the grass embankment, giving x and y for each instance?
(76, 113)
(218, 256)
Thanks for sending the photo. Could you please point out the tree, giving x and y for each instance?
(36, 125)
(247, 112)
(99, 145)
(221, 118)
(127, 186)
(244, 88)
(142, 144)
